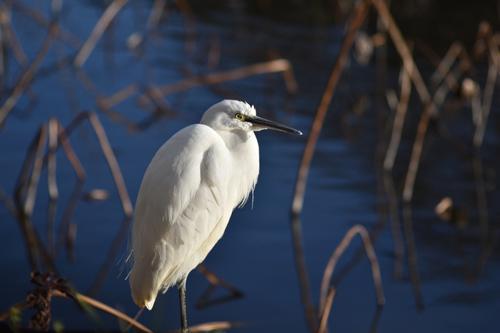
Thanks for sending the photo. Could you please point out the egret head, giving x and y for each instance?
(232, 115)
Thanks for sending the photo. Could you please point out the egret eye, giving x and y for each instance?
(239, 116)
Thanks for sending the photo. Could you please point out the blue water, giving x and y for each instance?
(345, 185)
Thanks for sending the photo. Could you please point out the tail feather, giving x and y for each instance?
(143, 288)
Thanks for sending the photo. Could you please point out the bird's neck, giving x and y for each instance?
(236, 140)
(245, 157)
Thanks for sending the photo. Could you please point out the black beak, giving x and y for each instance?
(265, 123)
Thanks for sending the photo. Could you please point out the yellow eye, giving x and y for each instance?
(239, 116)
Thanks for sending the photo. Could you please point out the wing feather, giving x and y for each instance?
(179, 205)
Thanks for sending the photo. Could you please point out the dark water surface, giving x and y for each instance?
(457, 268)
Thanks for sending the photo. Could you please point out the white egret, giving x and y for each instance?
(187, 195)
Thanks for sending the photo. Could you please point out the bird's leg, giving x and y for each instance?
(182, 303)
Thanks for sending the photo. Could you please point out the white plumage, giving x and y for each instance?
(188, 193)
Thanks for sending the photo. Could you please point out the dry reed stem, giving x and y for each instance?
(53, 127)
(105, 308)
(70, 153)
(214, 280)
(156, 97)
(323, 321)
(334, 258)
(213, 326)
(445, 65)
(101, 26)
(32, 184)
(118, 97)
(105, 105)
(403, 50)
(65, 292)
(10, 37)
(155, 14)
(37, 144)
(112, 162)
(26, 77)
(489, 89)
(451, 82)
(26, 187)
(108, 154)
(40, 19)
(416, 154)
(50, 157)
(273, 66)
(304, 284)
(357, 19)
(418, 82)
(399, 118)
(65, 230)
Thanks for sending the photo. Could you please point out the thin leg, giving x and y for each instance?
(182, 303)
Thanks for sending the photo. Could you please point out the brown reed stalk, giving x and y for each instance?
(108, 154)
(105, 308)
(420, 87)
(355, 22)
(215, 282)
(118, 97)
(403, 50)
(451, 82)
(155, 14)
(31, 186)
(9, 37)
(334, 258)
(399, 118)
(489, 89)
(112, 162)
(53, 130)
(25, 197)
(304, 284)
(70, 153)
(323, 321)
(156, 97)
(66, 231)
(100, 27)
(445, 65)
(214, 326)
(105, 105)
(26, 77)
(64, 35)
(49, 285)
(273, 66)
(37, 145)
